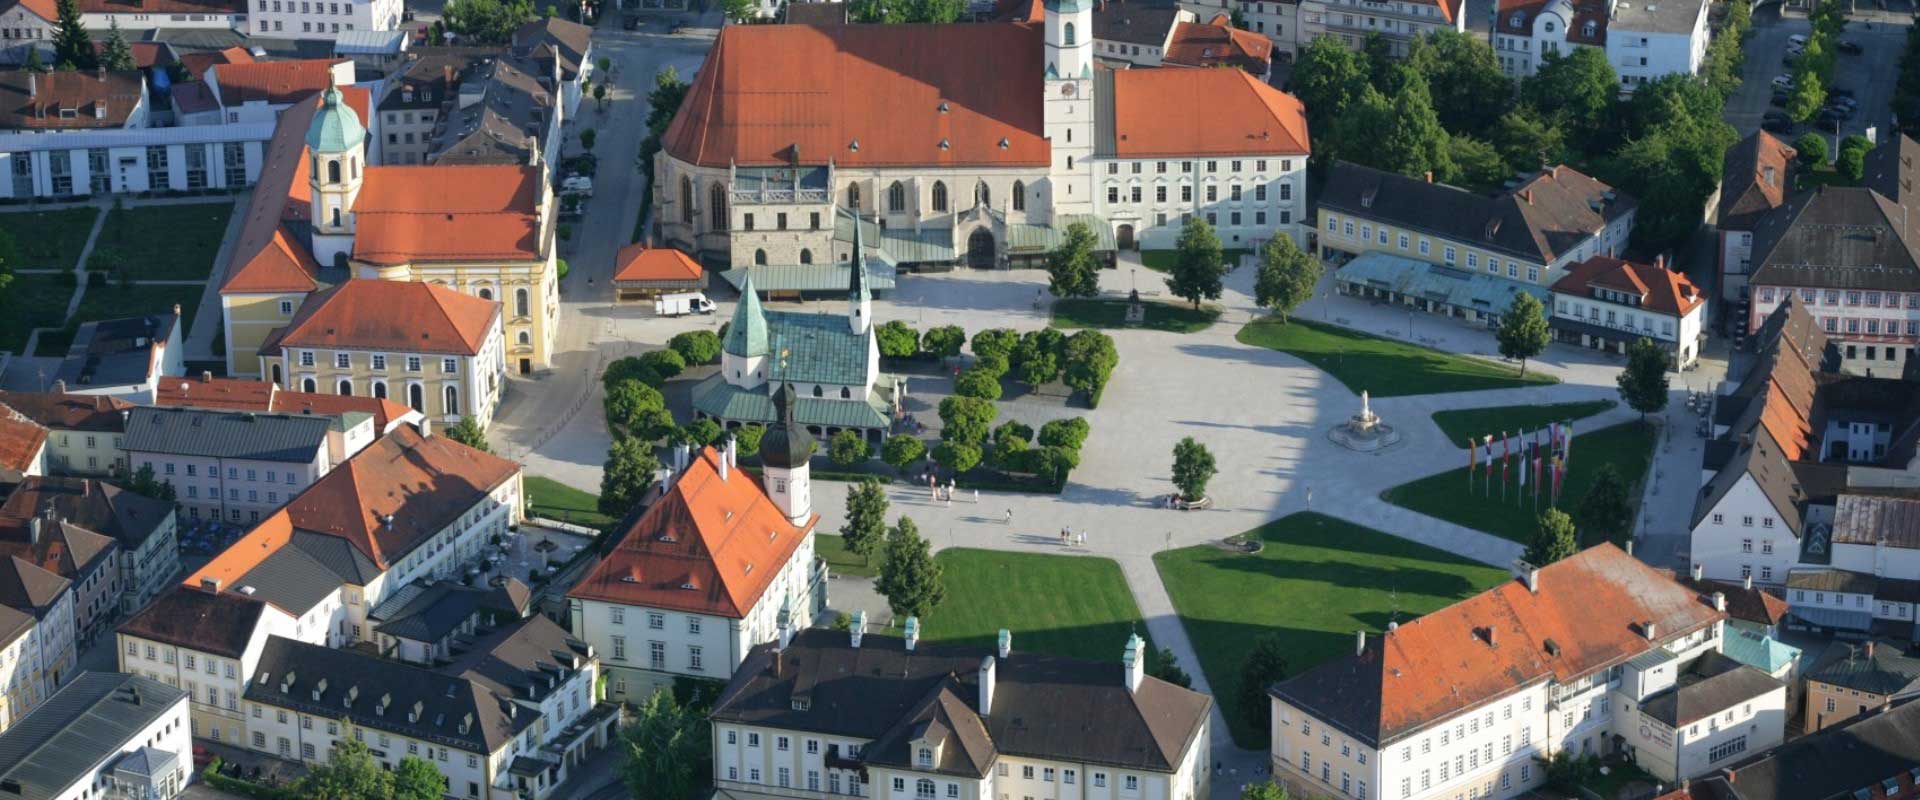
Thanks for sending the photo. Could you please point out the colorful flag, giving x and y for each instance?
(1506, 452)
(1566, 447)
(1473, 457)
(1488, 443)
(1524, 446)
(1538, 477)
(1559, 471)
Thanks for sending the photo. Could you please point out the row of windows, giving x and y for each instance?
(657, 654)
(1871, 327)
(1367, 233)
(655, 620)
(1834, 297)
(1134, 193)
(336, 9)
(344, 360)
(1160, 167)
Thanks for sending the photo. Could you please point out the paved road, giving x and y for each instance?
(1869, 75)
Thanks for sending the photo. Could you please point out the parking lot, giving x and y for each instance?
(1869, 75)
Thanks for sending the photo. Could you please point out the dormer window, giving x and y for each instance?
(925, 758)
(1518, 20)
(1588, 28)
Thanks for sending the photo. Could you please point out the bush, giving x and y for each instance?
(629, 369)
(664, 363)
(560, 268)
(696, 347)
(1069, 433)
(995, 342)
(944, 341)
(1853, 164)
(1813, 149)
(847, 448)
(957, 456)
(901, 451)
(1009, 453)
(898, 340)
(995, 365)
(747, 439)
(1013, 429)
(976, 382)
(703, 432)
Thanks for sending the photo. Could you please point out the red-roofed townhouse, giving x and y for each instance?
(1606, 303)
(256, 91)
(722, 562)
(29, 24)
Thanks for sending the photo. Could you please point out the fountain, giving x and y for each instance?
(1364, 432)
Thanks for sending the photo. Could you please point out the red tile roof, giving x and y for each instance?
(1218, 43)
(69, 100)
(197, 64)
(66, 411)
(448, 213)
(21, 440)
(371, 314)
(1529, 10)
(234, 394)
(48, 10)
(272, 82)
(148, 7)
(1201, 112)
(266, 257)
(1661, 290)
(145, 54)
(709, 546)
(638, 262)
(767, 89)
(1757, 170)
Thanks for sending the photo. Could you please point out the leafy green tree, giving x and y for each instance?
(588, 137)
(630, 368)
(1607, 509)
(1643, 382)
(944, 341)
(1265, 666)
(847, 448)
(1476, 164)
(667, 749)
(957, 456)
(1673, 166)
(746, 439)
(72, 45)
(1069, 433)
(663, 101)
(696, 347)
(1267, 790)
(1853, 164)
(739, 11)
(901, 451)
(1523, 330)
(467, 431)
(117, 55)
(1193, 467)
(1163, 664)
(664, 363)
(1288, 276)
(145, 483)
(1401, 132)
(415, 779)
(898, 339)
(1809, 93)
(34, 61)
(1072, 268)
(1198, 263)
(1008, 453)
(1553, 539)
(1810, 149)
(1052, 464)
(1464, 79)
(1037, 358)
(486, 22)
(995, 342)
(1381, 65)
(626, 477)
(1529, 140)
(1326, 77)
(977, 382)
(630, 406)
(866, 526)
(352, 774)
(966, 419)
(1012, 429)
(703, 432)
(912, 582)
(1663, 100)
(1581, 86)
(1088, 359)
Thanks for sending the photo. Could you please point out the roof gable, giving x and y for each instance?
(372, 314)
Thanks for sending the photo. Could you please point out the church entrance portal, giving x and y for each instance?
(1124, 237)
(980, 253)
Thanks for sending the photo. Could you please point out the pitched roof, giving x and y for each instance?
(1758, 171)
(710, 546)
(1197, 44)
(272, 82)
(220, 623)
(48, 10)
(638, 262)
(571, 38)
(1590, 611)
(116, 352)
(454, 212)
(226, 434)
(61, 743)
(239, 394)
(1043, 706)
(69, 100)
(1761, 458)
(1540, 219)
(1745, 603)
(1832, 763)
(21, 441)
(28, 587)
(1874, 519)
(372, 314)
(431, 75)
(69, 412)
(1661, 290)
(1147, 22)
(865, 96)
(1195, 112)
(197, 64)
(95, 505)
(1705, 686)
(1881, 668)
(62, 548)
(267, 257)
(1838, 237)
(524, 659)
(941, 716)
(428, 613)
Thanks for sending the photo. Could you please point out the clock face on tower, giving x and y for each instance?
(1068, 89)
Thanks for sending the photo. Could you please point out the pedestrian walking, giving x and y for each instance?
(1083, 538)
(976, 497)
(1009, 516)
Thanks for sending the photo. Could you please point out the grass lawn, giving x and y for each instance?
(171, 242)
(112, 302)
(1462, 424)
(1823, 175)
(1317, 581)
(1627, 446)
(1162, 260)
(555, 500)
(1064, 605)
(833, 549)
(31, 301)
(48, 239)
(1384, 367)
(1076, 312)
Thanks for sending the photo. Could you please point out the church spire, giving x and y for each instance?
(747, 334)
(859, 297)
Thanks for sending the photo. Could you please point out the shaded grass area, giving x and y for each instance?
(1316, 582)
(1383, 367)
(1162, 260)
(113, 302)
(165, 242)
(1063, 605)
(832, 549)
(555, 500)
(49, 239)
(1463, 424)
(1628, 447)
(28, 302)
(1078, 312)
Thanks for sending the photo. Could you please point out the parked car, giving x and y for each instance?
(1847, 103)
(1831, 115)
(1783, 82)
(1797, 40)
(578, 184)
(1850, 47)
(1777, 125)
(1839, 91)
(1779, 98)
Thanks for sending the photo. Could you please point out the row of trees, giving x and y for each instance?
(73, 45)
(637, 415)
(1083, 361)
(1813, 68)
(354, 774)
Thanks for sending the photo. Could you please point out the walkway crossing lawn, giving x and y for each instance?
(28, 302)
(1316, 582)
(833, 549)
(49, 239)
(1627, 446)
(1064, 605)
(162, 242)
(555, 500)
(1462, 424)
(1383, 367)
(1100, 312)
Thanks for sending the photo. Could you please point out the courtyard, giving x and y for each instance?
(1380, 366)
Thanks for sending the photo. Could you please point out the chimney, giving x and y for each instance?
(859, 627)
(986, 685)
(210, 584)
(724, 468)
(1528, 574)
(1699, 571)
(1360, 643)
(426, 428)
(1651, 629)
(1720, 601)
(33, 85)
(913, 632)
(1527, 195)
(1747, 582)
(1868, 650)
(1429, 176)
(1135, 661)
(1660, 262)
(733, 454)
(1005, 642)
(785, 627)
(59, 386)
(206, 376)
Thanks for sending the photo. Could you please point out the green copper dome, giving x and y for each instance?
(336, 128)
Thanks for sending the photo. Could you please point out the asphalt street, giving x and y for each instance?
(1869, 76)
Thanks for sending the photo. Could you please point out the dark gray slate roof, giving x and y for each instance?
(1845, 237)
(527, 659)
(1830, 764)
(77, 730)
(1142, 22)
(226, 434)
(1708, 685)
(115, 352)
(1043, 706)
(95, 505)
(1543, 217)
(220, 623)
(431, 613)
(290, 579)
(1881, 668)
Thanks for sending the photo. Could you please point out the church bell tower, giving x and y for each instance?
(1068, 108)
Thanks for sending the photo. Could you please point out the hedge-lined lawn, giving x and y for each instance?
(832, 549)
(1064, 605)
(1473, 423)
(1627, 446)
(1316, 582)
(1074, 312)
(555, 500)
(1383, 367)
(49, 239)
(162, 242)
(28, 302)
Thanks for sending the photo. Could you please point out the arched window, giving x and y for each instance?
(686, 200)
(939, 196)
(1069, 34)
(309, 386)
(1587, 29)
(1019, 196)
(380, 389)
(846, 393)
(982, 195)
(717, 208)
(520, 304)
(897, 197)
(336, 218)
(817, 392)
(759, 258)
(486, 293)
(346, 388)
(853, 196)
(416, 398)
(806, 256)
(526, 337)
(453, 400)
(333, 171)
(1549, 26)
(923, 788)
